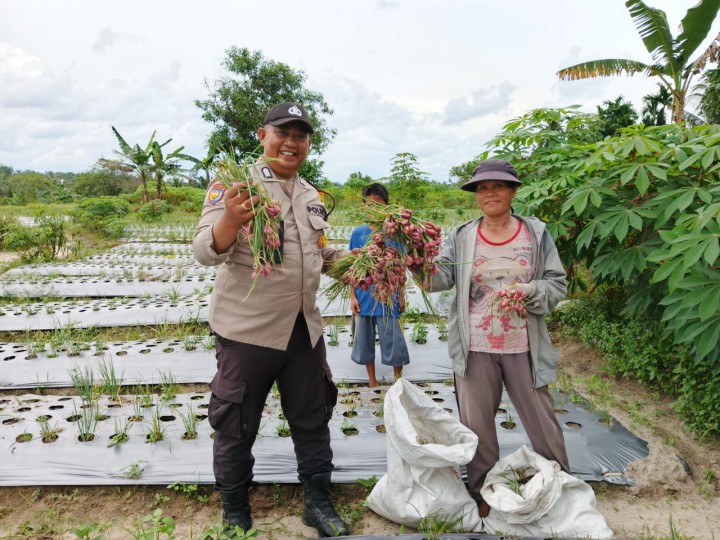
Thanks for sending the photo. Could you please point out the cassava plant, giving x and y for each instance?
(640, 210)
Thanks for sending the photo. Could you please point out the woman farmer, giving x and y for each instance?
(507, 276)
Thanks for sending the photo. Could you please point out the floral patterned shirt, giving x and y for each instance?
(495, 267)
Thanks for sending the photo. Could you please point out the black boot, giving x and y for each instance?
(236, 509)
(319, 511)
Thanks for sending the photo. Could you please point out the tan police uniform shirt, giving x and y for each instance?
(266, 315)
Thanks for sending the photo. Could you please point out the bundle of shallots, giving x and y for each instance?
(512, 299)
(378, 264)
(262, 232)
(399, 241)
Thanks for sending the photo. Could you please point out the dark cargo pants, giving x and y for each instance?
(240, 387)
(479, 395)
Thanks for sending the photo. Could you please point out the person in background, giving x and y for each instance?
(272, 332)
(371, 316)
(507, 276)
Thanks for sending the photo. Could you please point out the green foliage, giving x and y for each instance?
(41, 241)
(102, 215)
(616, 115)
(28, 187)
(238, 102)
(671, 61)
(7, 223)
(641, 211)
(153, 211)
(407, 182)
(102, 181)
(636, 347)
(189, 199)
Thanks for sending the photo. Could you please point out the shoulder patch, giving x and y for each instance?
(216, 193)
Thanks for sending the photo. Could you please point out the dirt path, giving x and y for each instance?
(663, 487)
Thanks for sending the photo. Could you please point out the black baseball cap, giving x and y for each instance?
(284, 113)
(492, 169)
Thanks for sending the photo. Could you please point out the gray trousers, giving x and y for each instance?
(479, 395)
(239, 389)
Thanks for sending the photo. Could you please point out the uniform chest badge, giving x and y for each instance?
(266, 172)
(216, 193)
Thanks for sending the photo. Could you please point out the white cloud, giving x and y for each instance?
(484, 101)
(437, 79)
(105, 39)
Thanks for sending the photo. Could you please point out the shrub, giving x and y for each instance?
(102, 215)
(89, 211)
(638, 348)
(6, 224)
(43, 240)
(154, 210)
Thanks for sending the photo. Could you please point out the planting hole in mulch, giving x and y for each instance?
(573, 425)
(24, 437)
(508, 425)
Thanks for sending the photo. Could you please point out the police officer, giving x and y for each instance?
(272, 332)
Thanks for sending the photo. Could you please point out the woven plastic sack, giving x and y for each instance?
(530, 496)
(425, 446)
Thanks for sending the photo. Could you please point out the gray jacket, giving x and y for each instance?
(455, 270)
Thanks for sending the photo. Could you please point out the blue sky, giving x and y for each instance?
(431, 77)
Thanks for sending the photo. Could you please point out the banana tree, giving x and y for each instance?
(205, 164)
(671, 55)
(163, 165)
(136, 159)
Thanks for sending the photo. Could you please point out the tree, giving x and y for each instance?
(238, 103)
(616, 115)
(655, 106)
(165, 165)
(101, 181)
(671, 56)
(205, 164)
(706, 97)
(406, 180)
(29, 187)
(134, 159)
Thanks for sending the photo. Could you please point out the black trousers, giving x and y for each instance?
(240, 387)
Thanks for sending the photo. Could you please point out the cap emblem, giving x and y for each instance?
(294, 111)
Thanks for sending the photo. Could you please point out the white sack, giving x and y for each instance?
(425, 446)
(551, 504)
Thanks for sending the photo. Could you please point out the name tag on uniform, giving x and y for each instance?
(266, 172)
(317, 209)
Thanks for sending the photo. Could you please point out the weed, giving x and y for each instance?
(122, 432)
(191, 491)
(517, 478)
(152, 526)
(420, 332)
(442, 329)
(135, 470)
(283, 430)
(368, 483)
(438, 524)
(89, 531)
(347, 428)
